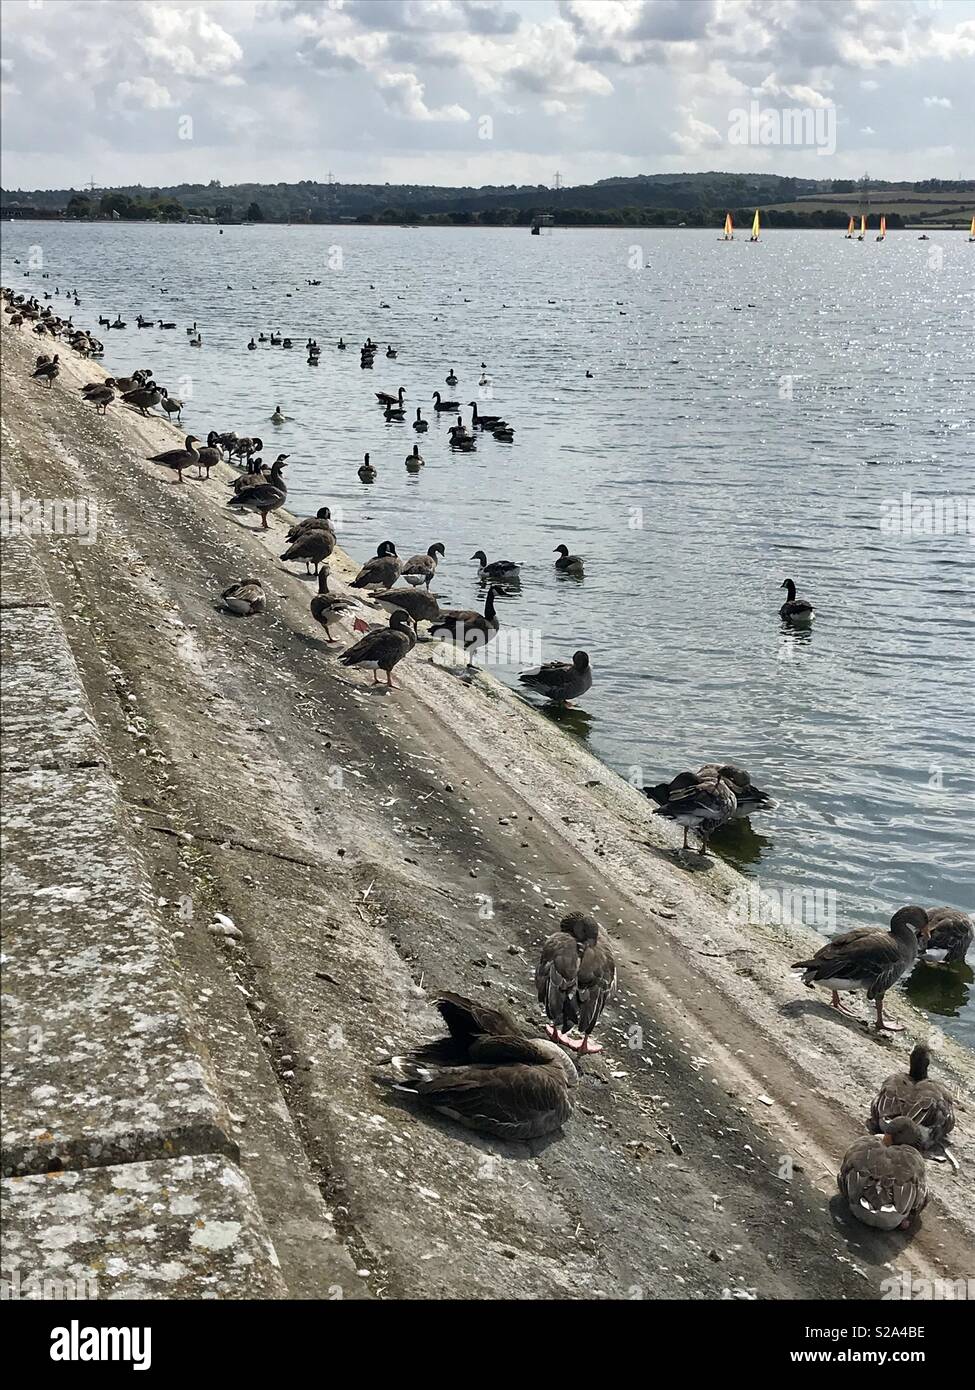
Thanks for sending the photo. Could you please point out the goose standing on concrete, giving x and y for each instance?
(561, 681)
(383, 648)
(748, 798)
(382, 571)
(420, 569)
(911, 1093)
(421, 605)
(471, 629)
(488, 1076)
(326, 607)
(797, 611)
(312, 545)
(322, 520)
(179, 459)
(264, 498)
(48, 371)
(884, 1179)
(101, 398)
(869, 960)
(568, 564)
(245, 598)
(699, 802)
(575, 978)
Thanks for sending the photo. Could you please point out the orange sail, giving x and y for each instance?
(883, 229)
(729, 228)
(971, 234)
(849, 230)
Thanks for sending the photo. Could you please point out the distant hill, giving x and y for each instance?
(698, 199)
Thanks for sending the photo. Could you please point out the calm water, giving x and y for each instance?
(752, 407)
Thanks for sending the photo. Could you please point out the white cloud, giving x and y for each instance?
(938, 101)
(403, 94)
(144, 93)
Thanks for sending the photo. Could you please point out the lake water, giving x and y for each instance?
(752, 414)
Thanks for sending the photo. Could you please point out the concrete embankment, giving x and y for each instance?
(373, 849)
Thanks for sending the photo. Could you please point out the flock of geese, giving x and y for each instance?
(488, 1073)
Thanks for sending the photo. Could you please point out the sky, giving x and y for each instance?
(482, 91)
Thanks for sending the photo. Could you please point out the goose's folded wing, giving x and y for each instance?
(556, 975)
(597, 980)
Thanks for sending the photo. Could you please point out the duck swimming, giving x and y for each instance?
(575, 978)
(561, 681)
(869, 960)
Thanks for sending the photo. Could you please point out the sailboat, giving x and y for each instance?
(883, 229)
(729, 228)
(971, 234)
(862, 235)
(849, 231)
(755, 227)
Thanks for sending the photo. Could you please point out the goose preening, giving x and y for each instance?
(451, 380)
(143, 398)
(561, 681)
(700, 801)
(868, 959)
(498, 569)
(179, 459)
(575, 978)
(326, 607)
(419, 424)
(384, 398)
(312, 545)
(264, 497)
(911, 1093)
(568, 564)
(245, 598)
(421, 605)
(797, 611)
(382, 571)
(48, 371)
(950, 934)
(488, 1076)
(420, 569)
(471, 629)
(748, 798)
(383, 648)
(884, 1179)
(367, 470)
(485, 422)
(439, 404)
(322, 520)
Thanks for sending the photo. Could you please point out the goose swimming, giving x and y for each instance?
(444, 405)
(568, 564)
(575, 978)
(414, 460)
(498, 569)
(868, 959)
(367, 471)
(384, 648)
(561, 681)
(384, 398)
(884, 1179)
(419, 424)
(797, 611)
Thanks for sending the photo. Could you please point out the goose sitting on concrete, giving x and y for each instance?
(884, 1179)
(420, 569)
(245, 598)
(911, 1093)
(575, 978)
(869, 960)
(488, 1076)
(561, 681)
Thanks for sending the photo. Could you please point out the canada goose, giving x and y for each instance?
(420, 569)
(172, 406)
(367, 471)
(178, 459)
(575, 978)
(144, 397)
(498, 569)
(561, 681)
(444, 405)
(911, 1093)
(472, 630)
(390, 350)
(246, 446)
(245, 598)
(748, 798)
(488, 1076)
(118, 322)
(566, 563)
(451, 380)
(384, 398)
(252, 346)
(383, 648)
(504, 433)
(951, 934)
(91, 386)
(395, 412)
(382, 571)
(141, 322)
(189, 331)
(421, 605)
(869, 960)
(419, 424)
(341, 345)
(266, 497)
(884, 1179)
(196, 342)
(414, 461)
(326, 608)
(279, 417)
(796, 611)
(48, 371)
(313, 546)
(485, 422)
(162, 325)
(322, 520)
(699, 801)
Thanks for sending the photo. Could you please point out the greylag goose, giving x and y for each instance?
(48, 371)
(420, 569)
(313, 546)
(748, 798)
(265, 497)
(414, 460)
(421, 605)
(868, 959)
(444, 405)
(383, 648)
(797, 611)
(566, 563)
(488, 1076)
(950, 933)
(911, 1093)
(498, 569)
(101, 398)
(382, 571)
(179, 459)
(366, 470)
(326, 608)
(884, 1179)
(245, 598)
(384, 398)
(561, 681)
(699, 802)
(575, 978)
(419, 424)
(321, 521)
(468, 627)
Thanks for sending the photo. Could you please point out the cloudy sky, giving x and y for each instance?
(476, 91)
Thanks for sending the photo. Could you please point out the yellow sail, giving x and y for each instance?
(755, 226)
(863, 224)
(729, 229)
(971, 234)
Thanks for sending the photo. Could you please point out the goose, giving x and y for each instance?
(382, 571)
(279, 417)
(254, 475)
(589, 376)
(287, 344)
(797, 611)
(485, 422)
(326, 608)
(468, 627)
(575, 978)
(699, 802)
(172, 406)
(245, 598)
(144, 397)
(414, 461)
(420, 569)
(210, 455)
(101, 398)
(242, 448)
(313, 546)
(749, 799)
(419, 424)
(322, 520)
(252, 346)
(42, 361)
(196, 342)
(341, 345)
(118, 322)
(395, 412)
(950, 933)
(561, 681)
(160, 325)
(265, 497)
(460, 435)
(911, 1093)
(504, 433)
(488, 1076)
(141, 322)
(390, 350)
(566, 563)
(869, 960)
(383, 648)
(421, 605)
(189, 331)
(384, 398)
(91, 386)
(276, 340)
(451, 380)
(367, 471)
(884, 1179)
(178, 459)
(498, 569)
(131, 383)
(444, 405)
(48, 371)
